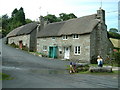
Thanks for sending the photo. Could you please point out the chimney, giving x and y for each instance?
(101, 15)
(41, 18)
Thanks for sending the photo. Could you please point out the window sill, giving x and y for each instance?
(77, 54)
(75, 38)
(65, 39)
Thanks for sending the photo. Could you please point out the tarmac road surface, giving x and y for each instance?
(31, 71)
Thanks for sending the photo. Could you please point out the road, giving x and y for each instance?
(31, 71)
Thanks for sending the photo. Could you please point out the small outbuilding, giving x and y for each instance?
(24, 36)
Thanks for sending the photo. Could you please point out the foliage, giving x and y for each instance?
(17, 19)
(14, 45)
(116, 56)
(25, 48)
(64, 16)
(28, 20)
(5, 77)
(113, 35)
(113, 59)
(113, 30)
(51, 18)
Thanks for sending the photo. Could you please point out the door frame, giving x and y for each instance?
(53, 51)
(66, 56)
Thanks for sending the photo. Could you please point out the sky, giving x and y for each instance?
(34, 8)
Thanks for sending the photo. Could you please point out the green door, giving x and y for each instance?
(53, 51)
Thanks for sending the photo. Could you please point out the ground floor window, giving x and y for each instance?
(77, 50)
(44, 48)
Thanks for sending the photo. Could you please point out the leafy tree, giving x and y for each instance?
(14, 12)
(64, 16)
(28, 21)
(17, 19)
(21, 16)
(51, 18)
(113, 30)
(5, 21)
(71, 16)
(113, 35)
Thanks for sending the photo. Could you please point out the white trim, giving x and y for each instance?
(75, 36)
(65, 37)
(67, 53)
(77, 50)
(53, 38)
(44, 48)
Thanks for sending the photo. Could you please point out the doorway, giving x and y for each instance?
(67, 53)
(20, 44)
(53, 51)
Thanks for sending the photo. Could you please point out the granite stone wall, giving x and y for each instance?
(83, 42)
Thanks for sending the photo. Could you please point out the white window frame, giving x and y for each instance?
(44, 48)
(53, 38)
(64, 37)
(75, 36)
(76, 50)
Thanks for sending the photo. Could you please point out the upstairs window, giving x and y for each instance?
(77, 50)
(75, 36)
(64, 37)
(44, 48)
(53, 38)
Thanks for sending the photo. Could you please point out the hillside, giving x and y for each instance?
(116, 42)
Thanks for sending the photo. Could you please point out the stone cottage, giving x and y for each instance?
(24, 36)
(79, 39)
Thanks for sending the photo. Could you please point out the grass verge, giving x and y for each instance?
(95, 73)
(4, 76)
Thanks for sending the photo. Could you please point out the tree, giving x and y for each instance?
(21, 16)
(51, 18)
(113, 30)
(64, 16)
(28, 20)
(17, 19)
(14, 12)
(114, 35)
(5, 21)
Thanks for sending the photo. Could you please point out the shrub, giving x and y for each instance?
(14, 45)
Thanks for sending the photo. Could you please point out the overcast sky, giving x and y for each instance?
(34, 8)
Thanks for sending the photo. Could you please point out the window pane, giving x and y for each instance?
(78, 49)
(44, 47)
(76, 35)
(63, 37)
(66, 37)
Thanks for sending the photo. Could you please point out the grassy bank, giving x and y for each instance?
(4, 76)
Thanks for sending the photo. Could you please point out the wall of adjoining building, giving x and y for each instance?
(24, 38)
(83, 42)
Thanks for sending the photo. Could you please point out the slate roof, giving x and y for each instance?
(80, 25)
(23, 30)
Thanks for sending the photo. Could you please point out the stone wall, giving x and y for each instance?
(83, 42)
(100, 43)
(24, 38)
(33, 40)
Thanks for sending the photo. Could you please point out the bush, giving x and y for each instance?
(114, 59)
(116, 56)
(113, 35)
(24, 48)
(93, 60)
(14, 45)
